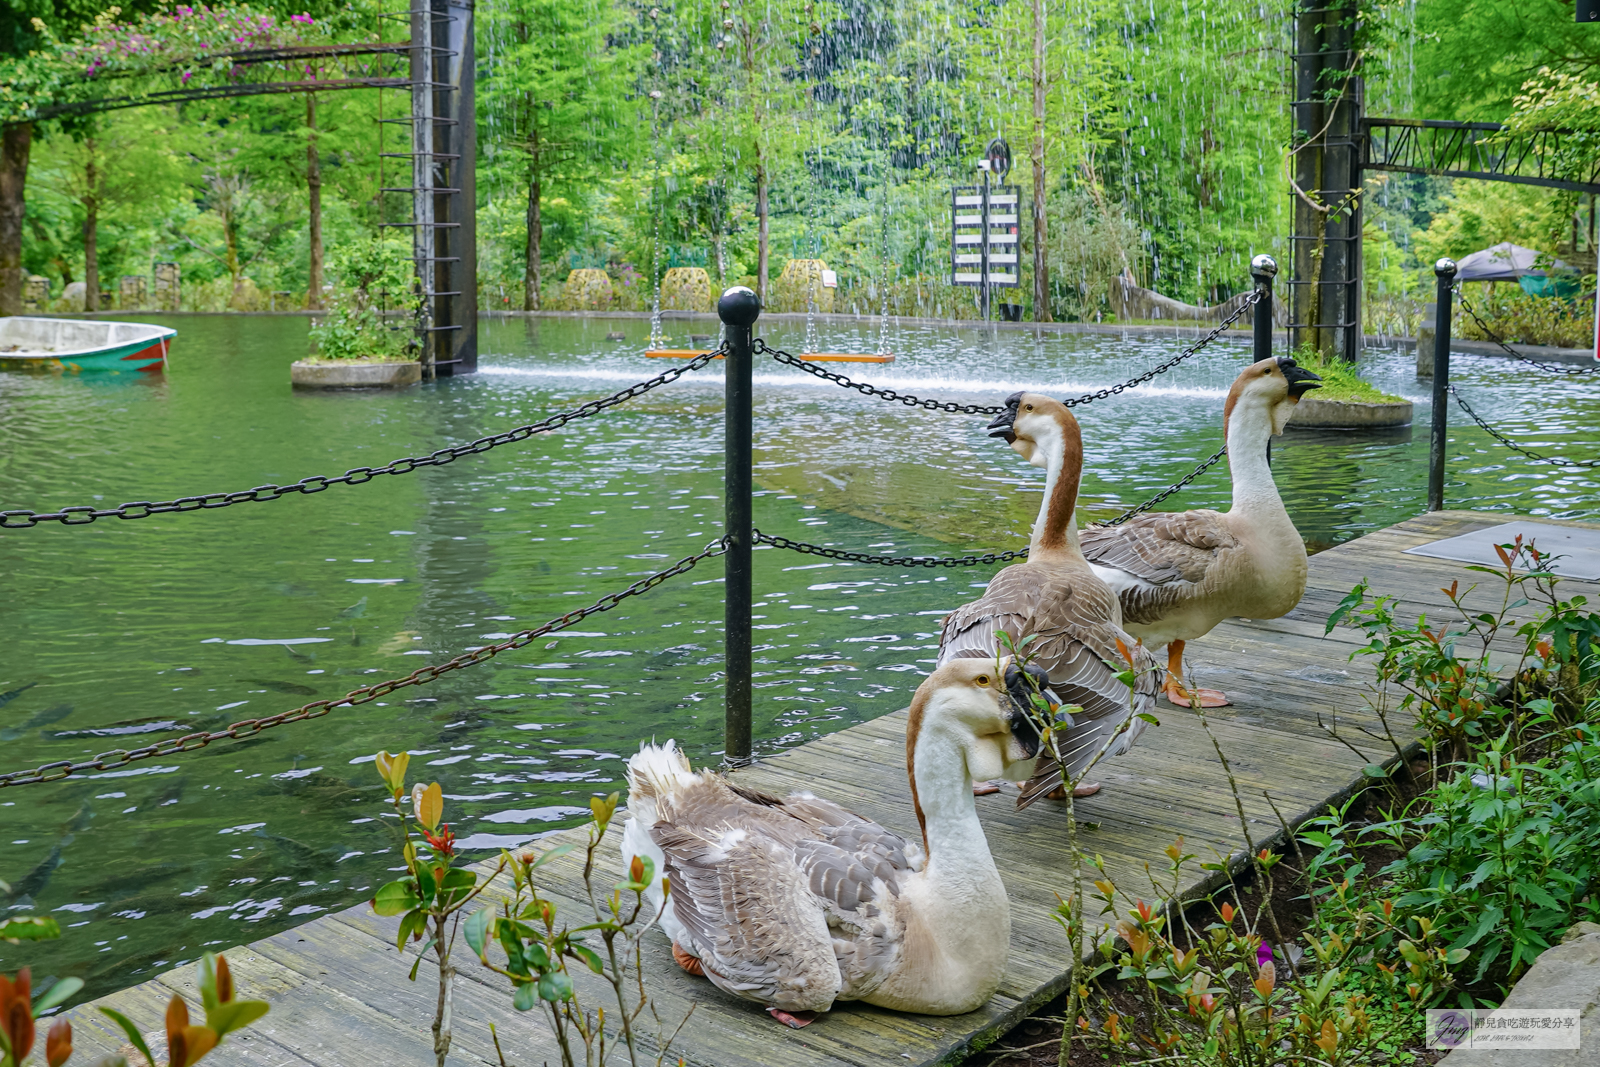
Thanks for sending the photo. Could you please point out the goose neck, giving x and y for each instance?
(958, 852)
(1250, 434)
(1055, 531)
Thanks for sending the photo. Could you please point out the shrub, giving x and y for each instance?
(371, 276)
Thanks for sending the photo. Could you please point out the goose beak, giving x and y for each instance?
(1021, 685)
(1301, 381)
(1001, 426)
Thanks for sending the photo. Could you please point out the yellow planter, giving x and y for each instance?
(686, 289)
(588, 289)
(800, 287)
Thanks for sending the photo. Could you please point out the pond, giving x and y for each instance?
(121, 633)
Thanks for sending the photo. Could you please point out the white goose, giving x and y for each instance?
(1179, 574)
(795, 902)
(1055, 599)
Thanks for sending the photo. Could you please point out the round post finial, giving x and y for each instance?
(739, 306)
(1263, 266)
(1445, 268)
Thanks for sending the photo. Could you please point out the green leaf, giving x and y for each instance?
(426, 886)
(554, 986)
(29, 928)
(135, 1038)
(1149, 718)
(413, 922)
(555, 853)
(458, 878)
(1351, 600)
(235, 1015)
(1374, 770)
(477, 930)
(395, 898)
(589, 956)
(57, 993)
(1456, 955)
(421, 952)
(526, 997)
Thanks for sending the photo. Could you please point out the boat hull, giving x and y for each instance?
(72, 346)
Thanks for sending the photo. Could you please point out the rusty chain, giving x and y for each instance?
(82, 515)
(244, 728)
(778, 354)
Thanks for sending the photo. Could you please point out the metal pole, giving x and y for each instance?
(983, 277)
(1445, 271)
(1262, 269)
(739, 308)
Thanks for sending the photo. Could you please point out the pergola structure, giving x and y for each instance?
(1336, 141)
(436, 65)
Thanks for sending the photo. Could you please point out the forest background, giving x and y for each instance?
(635, 137)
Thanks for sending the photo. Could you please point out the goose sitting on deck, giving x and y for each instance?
(1178, 575)
(1068, 616)
(795, 902)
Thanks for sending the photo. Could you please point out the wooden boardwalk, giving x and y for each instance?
(340, 997)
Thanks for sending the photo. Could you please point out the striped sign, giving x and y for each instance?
(980, 238)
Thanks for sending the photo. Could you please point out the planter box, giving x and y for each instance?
(1312, 413)
(354, 374)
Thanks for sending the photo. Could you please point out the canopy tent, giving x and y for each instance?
(1504, 262)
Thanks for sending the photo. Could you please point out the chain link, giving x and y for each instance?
(1512, 352)
(1159, 497)
(761, 347)
(83, 515)
(807, 549)
(51, 772)
(1577, 464)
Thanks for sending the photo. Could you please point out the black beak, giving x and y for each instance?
(1001, 426)
(1022, 684)
(1301, 381)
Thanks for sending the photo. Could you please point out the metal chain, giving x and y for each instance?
(1159, 497)
(807, 549)
(1579, 464)
(83, 515)
(1512, 352)
(50, 772)
(891, 395)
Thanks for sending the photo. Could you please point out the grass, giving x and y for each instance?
(1340, 381)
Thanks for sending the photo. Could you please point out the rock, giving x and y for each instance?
(616, 335)
(1580, 930)
(72, 297)
(1566, 976)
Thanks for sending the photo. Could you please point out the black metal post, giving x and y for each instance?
(739, 308)
(1263, 269)
(983, 250)
(1445, 271)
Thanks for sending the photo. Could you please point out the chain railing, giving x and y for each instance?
(891, 395)
(51, 772)
(84, 514)
(1576, 464)
(1512, 352)
(1181, 483)
(805, 548)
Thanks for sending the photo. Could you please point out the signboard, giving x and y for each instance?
(983, 226)
(830, 279)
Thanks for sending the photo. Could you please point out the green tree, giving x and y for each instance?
(567, 88)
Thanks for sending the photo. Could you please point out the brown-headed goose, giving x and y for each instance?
(1068, 616)
(1179, 574)
(794, 902)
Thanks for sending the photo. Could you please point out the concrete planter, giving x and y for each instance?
(1312, 413)
(354, 374)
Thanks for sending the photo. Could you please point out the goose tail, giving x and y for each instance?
(656, 772)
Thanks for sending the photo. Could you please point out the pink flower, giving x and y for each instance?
(1263, 954)
(187, 75)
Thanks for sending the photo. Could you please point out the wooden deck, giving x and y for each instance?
(340, 996)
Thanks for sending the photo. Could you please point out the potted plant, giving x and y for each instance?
(365, 339)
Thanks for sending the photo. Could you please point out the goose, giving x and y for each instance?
(795, 903)
(1179, 574)
(1056, 599)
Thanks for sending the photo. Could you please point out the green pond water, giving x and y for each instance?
(120, 633)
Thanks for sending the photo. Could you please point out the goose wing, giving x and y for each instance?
(1158, 560)
(793, 903)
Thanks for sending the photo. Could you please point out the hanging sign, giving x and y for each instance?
(983, 225)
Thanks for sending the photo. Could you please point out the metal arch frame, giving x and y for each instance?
(1471, 150)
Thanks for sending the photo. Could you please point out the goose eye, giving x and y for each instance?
(982, 679)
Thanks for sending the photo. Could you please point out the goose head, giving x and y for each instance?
(1269, 390)
(985, 709)
(1035, 426)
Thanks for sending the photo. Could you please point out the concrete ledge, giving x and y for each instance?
(1349, 414)
(1566, 976)
(353, 374)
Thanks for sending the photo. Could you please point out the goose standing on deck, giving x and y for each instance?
(1055, 599)
(795, 902)
(1179, 574)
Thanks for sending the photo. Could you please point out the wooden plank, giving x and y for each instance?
(339, 989)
